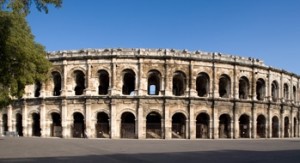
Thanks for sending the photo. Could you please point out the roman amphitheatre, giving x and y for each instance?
(157, 94)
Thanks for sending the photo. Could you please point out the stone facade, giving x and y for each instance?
(158, 94)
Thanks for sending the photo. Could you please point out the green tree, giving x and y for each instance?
(22, 60)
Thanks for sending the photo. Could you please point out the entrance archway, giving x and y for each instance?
(275, 127)
(286, 127)
(102, 125)
(36, 127)
(4, 123)
(19, 124)
(56, 128)
(224, 126)
(202, 126)
(78, 125)
(153, 126)
(128, 125)
(295, 127)
(244, 126)
(178, 126)
(261, 126)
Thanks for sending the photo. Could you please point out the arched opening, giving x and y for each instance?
(243, 88)
(275, 91)
(224, 126)
(261, 126)
(78, 125)
(224, 86)
(178, 126)
(36, 128)
(286, 127)
(179, 83)
(286, 91)
(202, 126)
(19, 124)
(128, 82)
(294, 94)
(103, 82)
(202, 84)
(37, 89)
(153, 126)
(5, 123)
(275, 127)
(56, 127)
(154, 78)
(260, 89)
(244, 126)
(295, 127)
(57, 83)
(79, 81)
(102, 126)
(128, 125)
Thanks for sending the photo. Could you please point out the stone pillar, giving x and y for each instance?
(254, 123)
(281, 126)
(29, 127)
(64, 120)
(187, 134)
(210, 136)
(168, 124)
(216, 126)
(250, 129)
(64, 79)
(236, 127)
(141, 124)
(269, 122)
(25, 119)
(9, 118)
(88, 117)
(192, 124)
(163, 128)
(232, 129)
(114, 125)
(43, 120)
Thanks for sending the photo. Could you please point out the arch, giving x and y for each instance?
(244, 87)
(179, 83)
(5, 123)
(79, 78)
(286, 127)
(154, 82)
(260, 89)
(153, 126)
(56, 127)
(102, 125)
(37, 89)
(103, 82)
(274, 91)
(36, 127)
(202, 84)
(78, 125)
(19, 124)
(224, 86)
(261, 126)
(179, 126)
(275, 127)
(128, 82)
(57, 83)
(128, 125)
(244, 123)
(286, 91)
(224, 126)
(202, 126)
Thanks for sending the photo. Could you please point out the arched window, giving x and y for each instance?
(274, 91)
(57, 83)
(294, 93)
(202, 84)
(286, 91)
(179, 83)
(243, 87)
(103, 82)
(260, 89)
(154, 79)
(79, 81)
(128, 82)
(224, 86)
(37, 89)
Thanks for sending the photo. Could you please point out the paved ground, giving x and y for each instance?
(140, 151)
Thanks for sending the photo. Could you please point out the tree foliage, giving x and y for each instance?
(22, 60)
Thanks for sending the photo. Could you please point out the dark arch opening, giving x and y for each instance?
(128, 125)
(224, 86)
(153, 126)
(78, 125)
(179, 83)
(260, 89)
(275, 127)
(244, 126)
(102, 126)
(36, 128)
(224, 126)
(202, 84)
(295, 127)
(79, 81)
(19, 124)
(37, 89)
(57, 83)
(286, 127)
(294, 93)
(261, 126)
(103, 82)
(243, 88)
(154, 82)
(56, 127)
(286, 91)
(128, 82)
(274, 89)
(178, 126)
(5, 123)
(202, 126)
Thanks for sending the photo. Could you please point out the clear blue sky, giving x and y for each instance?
(264, 29)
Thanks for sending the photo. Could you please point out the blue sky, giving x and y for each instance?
(264, 29)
